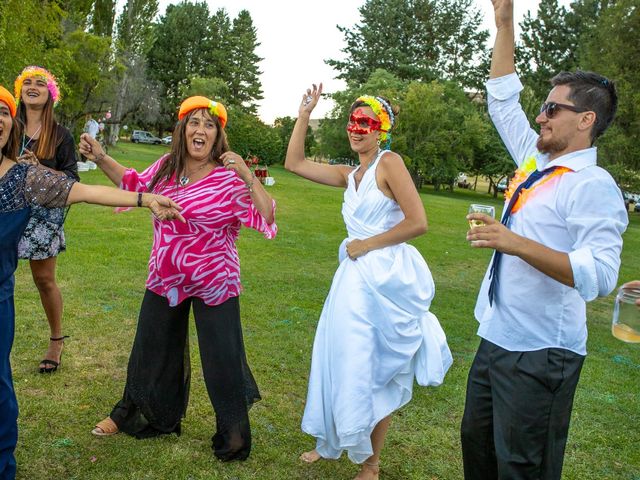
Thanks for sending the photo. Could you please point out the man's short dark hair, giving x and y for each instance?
(593, 92)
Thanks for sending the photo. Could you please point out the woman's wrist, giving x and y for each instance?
(143, 200)
(249, 183)
(100, 157)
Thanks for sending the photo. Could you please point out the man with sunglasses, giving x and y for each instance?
(557, 247)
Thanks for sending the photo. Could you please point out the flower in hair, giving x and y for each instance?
(384, 112)
(35, 71)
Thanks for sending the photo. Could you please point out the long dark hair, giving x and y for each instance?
(177, 160)
(48, 139)
(10, 150)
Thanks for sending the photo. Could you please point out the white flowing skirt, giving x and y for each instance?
(375, 334)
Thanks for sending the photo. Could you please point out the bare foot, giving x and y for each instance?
(310, 456)
(368, 471)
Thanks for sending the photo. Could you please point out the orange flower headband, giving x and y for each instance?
(33, 71)
(215, 108)
(6, 97)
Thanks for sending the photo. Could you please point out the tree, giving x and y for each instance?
(284, 127)
(243, 77)
(134, 36)
(213, 88)
(87, 71)
(547, 47)
(612, 48)
(414, 40)
(25, 42)
(221, 46)
(248, 136)
(103, 16)
(440, 130)
(181, 49)
(491, 159)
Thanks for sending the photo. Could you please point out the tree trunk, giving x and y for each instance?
(118, 110)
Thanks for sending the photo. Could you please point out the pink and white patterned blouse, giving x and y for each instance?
(199, 258)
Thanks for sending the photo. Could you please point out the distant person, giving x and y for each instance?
(376, 333)
(44, 142)
(557, 247)
(23, 186)
(196, 267)
(91, 127)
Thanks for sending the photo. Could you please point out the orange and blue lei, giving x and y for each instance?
(521, 174)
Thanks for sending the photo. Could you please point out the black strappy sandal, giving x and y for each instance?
(51, 366)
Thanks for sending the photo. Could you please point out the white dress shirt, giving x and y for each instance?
(580, 212)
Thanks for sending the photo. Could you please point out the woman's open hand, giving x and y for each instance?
(310, 99)
(163, 208)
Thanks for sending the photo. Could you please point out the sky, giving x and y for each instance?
(296, 36)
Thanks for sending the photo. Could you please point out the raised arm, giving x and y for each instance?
(502, 59)
(295, 161)
(92, 149)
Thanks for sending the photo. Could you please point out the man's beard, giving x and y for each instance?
(551, 146)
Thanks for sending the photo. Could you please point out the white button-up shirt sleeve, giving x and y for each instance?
(596, 219)
(594, 208)
(503, 101)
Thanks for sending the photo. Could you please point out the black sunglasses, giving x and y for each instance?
(551, 108)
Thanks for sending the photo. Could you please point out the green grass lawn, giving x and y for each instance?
(102, 278)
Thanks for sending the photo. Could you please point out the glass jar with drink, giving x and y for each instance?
(626, 313)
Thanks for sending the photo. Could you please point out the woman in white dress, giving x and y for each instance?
(375, 333)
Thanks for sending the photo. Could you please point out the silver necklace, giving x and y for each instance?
(26, 144)
(185, 179)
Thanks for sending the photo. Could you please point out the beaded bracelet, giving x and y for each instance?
(249, 185)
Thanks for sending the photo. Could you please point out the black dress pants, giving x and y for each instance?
(517, 412)
(158, 376)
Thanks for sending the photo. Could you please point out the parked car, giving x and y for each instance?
(462, 181)
(142, 136)
(167, 140)
(636, 207)
(502, 185)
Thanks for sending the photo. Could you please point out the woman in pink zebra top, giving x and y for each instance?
(192, 265)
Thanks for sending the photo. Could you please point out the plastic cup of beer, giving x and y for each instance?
(478, 208)
(626, 315)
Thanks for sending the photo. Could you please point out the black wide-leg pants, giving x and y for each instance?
(158, 376)
(517, 412)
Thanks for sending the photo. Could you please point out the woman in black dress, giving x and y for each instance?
(43, 141)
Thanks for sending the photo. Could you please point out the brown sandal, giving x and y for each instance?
(105, 428)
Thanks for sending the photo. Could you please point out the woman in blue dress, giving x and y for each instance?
(21, 187)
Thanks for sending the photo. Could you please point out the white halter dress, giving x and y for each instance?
(375, 333)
